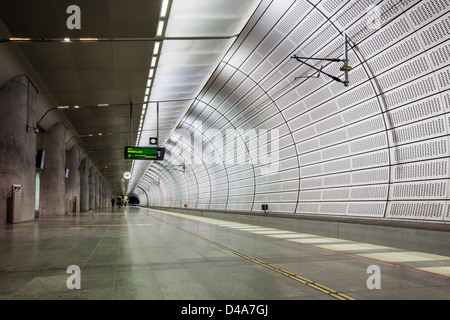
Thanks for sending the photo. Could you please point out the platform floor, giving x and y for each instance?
(137, 253)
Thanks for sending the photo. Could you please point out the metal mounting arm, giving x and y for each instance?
(346, 68)
(320, 70)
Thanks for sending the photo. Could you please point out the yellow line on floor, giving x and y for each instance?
(335, 294)
(339, 245)
(267, 265)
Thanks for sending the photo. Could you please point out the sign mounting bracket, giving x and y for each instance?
(346, 68)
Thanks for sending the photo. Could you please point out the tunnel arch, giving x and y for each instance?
(376, 149)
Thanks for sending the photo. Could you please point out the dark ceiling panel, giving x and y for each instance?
(61, 81)
(95, 18)
(25, 18)
(134, 19)
(39, 55)
(91, 73)
(132, 55)
(92, 56)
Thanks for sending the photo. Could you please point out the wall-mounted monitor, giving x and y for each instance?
(144, 153)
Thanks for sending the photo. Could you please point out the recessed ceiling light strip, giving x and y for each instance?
(162, 25)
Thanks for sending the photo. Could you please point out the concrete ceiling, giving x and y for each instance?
(87, 74)
(114, 70)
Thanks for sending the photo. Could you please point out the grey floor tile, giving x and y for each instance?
(122, 260)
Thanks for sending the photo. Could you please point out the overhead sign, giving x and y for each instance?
(144, 153)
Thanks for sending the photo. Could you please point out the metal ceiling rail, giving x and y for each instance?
(90, 40)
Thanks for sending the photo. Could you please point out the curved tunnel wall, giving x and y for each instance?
(378, 148)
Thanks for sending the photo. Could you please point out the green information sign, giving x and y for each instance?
(144, 153)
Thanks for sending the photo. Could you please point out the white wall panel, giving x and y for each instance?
(378, 148)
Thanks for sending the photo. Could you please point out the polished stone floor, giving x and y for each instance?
(138, 254)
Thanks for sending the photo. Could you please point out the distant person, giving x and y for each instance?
(113, 202)
(119, 202)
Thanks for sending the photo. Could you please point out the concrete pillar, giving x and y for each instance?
(107, 195)
(100, 191)
(97, 195)
(92, 174)
(53, 180)
(84, 185)
(18, 100)
(103, 193)
(73, 180)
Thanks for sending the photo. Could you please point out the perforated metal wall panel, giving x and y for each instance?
(377, 148)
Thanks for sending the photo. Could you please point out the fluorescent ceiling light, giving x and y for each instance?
(164, 8)
(181, 76)
(160, 28)
(209, 17)
(153, 64)
(156, 48)
(19, 39)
